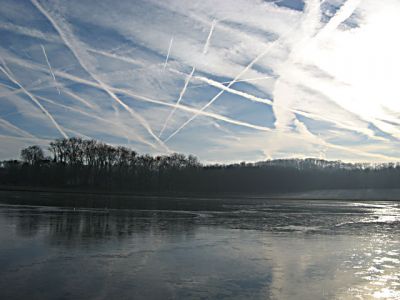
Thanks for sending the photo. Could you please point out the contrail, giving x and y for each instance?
(135, 62)
(310, 25)
(30, 32)
(135, 115)
(91, 106)
(44, 110)
(79, 98)
(115, 56)
(169, 51)
(123, 128)
(269, 102)
(165, 103)
(182, 93)
(66, 32)
(345, 12)
(233, 91)
(255, 60)
(178, 101)
(215, 97)
(312, 18)
(146, 99)
(345, 149)
(307, 31)
(79, 134)
(182, 107)
(250, 65)
(285, 119)
(357, 152)
(55, 39)
(11, 126)
(51, 71)
(35, 85)
(24, 138)
(207, 44)
(241, 80)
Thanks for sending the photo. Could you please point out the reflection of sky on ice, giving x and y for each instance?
(273, 250)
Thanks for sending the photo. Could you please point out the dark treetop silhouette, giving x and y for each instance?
(89, 164)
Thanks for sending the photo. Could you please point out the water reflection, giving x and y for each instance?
(377, 267)
(74, 226)
(257, 250)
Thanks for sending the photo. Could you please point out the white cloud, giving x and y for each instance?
(332, 75)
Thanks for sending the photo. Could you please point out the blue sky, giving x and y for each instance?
(224, 80)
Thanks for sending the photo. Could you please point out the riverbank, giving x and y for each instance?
(40, 196)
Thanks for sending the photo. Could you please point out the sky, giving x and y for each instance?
(227, 81)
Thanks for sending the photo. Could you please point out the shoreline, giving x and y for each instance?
(296, 195)
(57, 197)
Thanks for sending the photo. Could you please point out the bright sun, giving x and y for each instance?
(365, 65)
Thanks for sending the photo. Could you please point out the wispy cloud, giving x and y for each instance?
(237, 77)
(65, 33)
(142, 98)
(33, 98)
(12, 127)
(285, 78)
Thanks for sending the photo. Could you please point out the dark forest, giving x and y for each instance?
(75, 163)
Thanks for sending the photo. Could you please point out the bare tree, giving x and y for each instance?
(32, 155)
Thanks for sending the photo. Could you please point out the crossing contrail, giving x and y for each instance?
(67, 36)
(269, 102)
(34, 86)
(126, 130)
(233, 81)
(79, 98)
(188, 78)
(181, 107)
(207, 114)
(33, 98)
(51, 71)
(169, 51)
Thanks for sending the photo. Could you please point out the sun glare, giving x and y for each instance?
(364, 63)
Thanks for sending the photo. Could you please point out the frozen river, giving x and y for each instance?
(270, 249)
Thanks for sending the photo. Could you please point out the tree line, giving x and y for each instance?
(90, 164)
